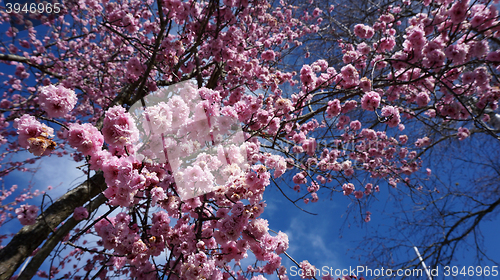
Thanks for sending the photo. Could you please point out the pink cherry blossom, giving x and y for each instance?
(463, 133)
(365, 84)
(80, 213)
(86, 138)
(28, 127)
(350, 76)
(423, 99)
(309, 271)
(348, 188)
(268, 55)
(458, 11)
(119, 128)
(27, 214)
(370, 101)
(57, 101)
(392, 113)
(363, 31)
(333, 108)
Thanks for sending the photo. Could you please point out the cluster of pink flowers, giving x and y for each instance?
(307, 77)
(195, 180)
(27, 214)
(57, 101)
(333, 108)
(463, 133)
(423, 99)
(130, 22)
(368, 216)
(370, 101)
(343, 121)
(309, 146)
(86, 138)
(355, 125)
(422, 142)
(386, 44)
(309, 270)
(349, 106)
(34, 135)
(119, 129)
(116, 234)
(134, 68)
(350, 76)
(358, 194)
(124, 179)
(28, 127)
(415, 38)
(41, 146)
(268, 55)
(131, 180)
(121, 236)
(348, 188)
(277, 163)
(434, 56)
(363, 31)
(80, 213)
(392, 113)
(457, 53)
(365, 84)
(458, 11)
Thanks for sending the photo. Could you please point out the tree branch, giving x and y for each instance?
(30, 237)
(12, 57)
(54, 239)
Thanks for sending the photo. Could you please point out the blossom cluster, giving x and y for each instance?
(27, 214)
(80, 213)
(119, 130)
(177, 132)
(57, 101)
(34, 135)
(86, 138)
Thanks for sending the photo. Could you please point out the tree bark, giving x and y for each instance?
(30, 237)
(54, 239)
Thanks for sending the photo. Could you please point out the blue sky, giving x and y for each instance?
(60, 173)
(329, 238)
(319, 239)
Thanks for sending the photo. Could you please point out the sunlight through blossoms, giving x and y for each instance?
(205, 150)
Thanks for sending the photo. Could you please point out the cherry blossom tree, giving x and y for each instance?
(441, 219)
(183, 112)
